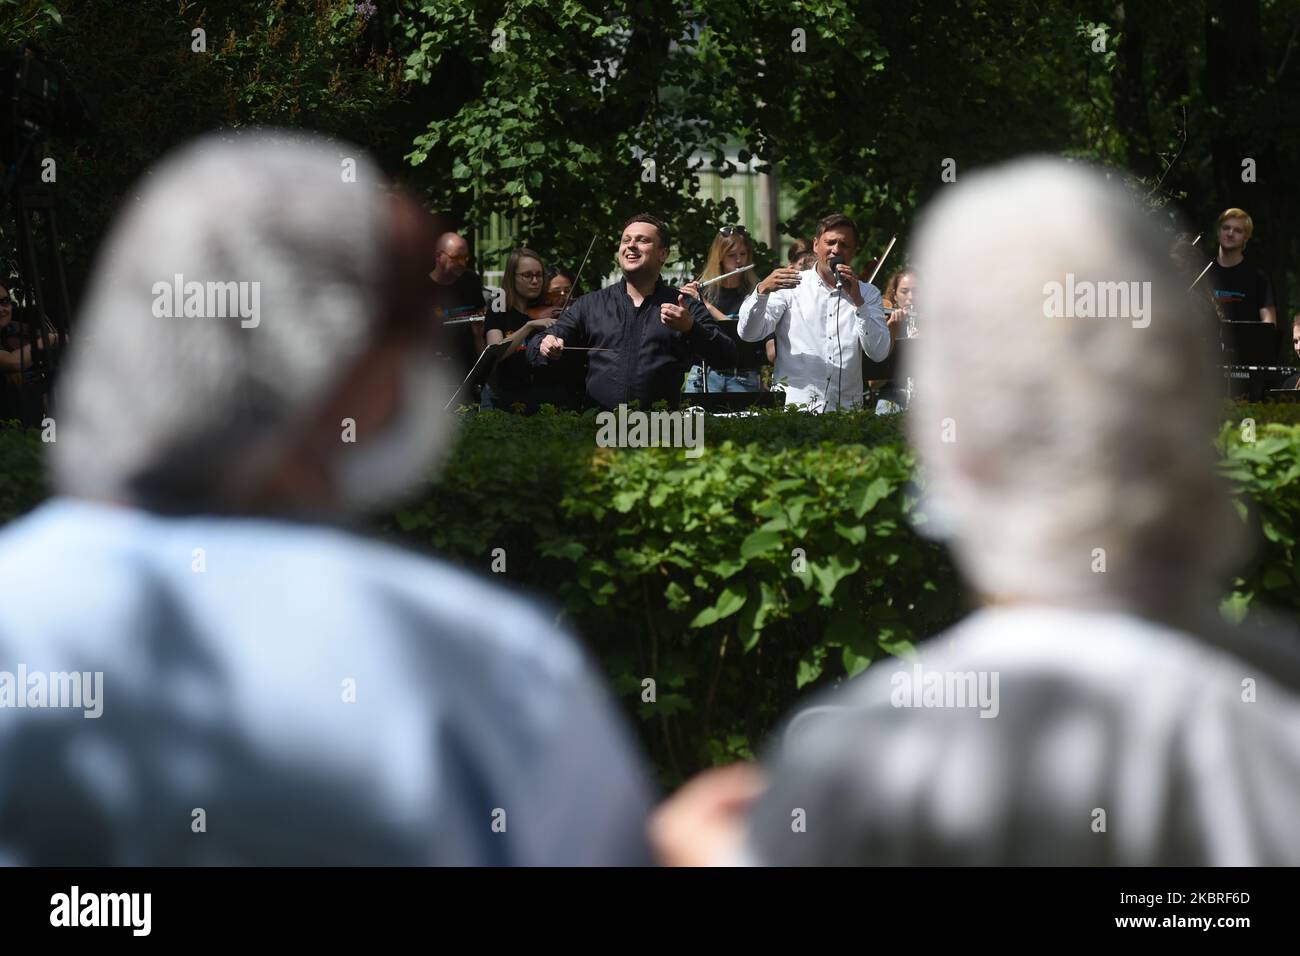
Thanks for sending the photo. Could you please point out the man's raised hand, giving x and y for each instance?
(783, 277)
(676, 317)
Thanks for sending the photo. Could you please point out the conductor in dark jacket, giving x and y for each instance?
(652, 332)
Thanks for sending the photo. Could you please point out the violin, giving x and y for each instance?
(549, 307)
(543, 310)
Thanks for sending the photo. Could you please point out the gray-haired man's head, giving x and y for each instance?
(261, 295)
(1066, 397)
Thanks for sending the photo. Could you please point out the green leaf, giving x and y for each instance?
(855, 534)
(854, 663)
(668, 704)
(899, 648)
(864, 496)
(725, 569)
(729, 602)
(1275, 579)
(828, 574)
(810, 667)
(568, 550)
(759, 542)
(1235, 607)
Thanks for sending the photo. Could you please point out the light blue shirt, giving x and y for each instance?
(284, 693)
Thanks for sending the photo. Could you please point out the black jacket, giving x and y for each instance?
(648, 361)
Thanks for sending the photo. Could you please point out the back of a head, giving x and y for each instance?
(1066, 396)
(244, 279)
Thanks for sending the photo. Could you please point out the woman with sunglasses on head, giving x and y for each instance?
(732, 249)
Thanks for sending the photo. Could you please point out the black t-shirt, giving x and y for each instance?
(1241, 290)
(513, 371)
(462, 298)
(749, 354)
(729, 300)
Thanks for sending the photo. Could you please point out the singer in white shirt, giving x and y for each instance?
(821, 330)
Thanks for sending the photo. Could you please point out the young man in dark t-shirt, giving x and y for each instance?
(1242, 289)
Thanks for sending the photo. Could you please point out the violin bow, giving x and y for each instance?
(881, 263)
(577, 277)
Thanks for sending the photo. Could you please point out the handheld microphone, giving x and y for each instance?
(835, 263)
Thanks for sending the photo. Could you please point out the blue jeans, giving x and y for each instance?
(745, 380)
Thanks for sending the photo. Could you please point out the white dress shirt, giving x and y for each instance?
(820, 365)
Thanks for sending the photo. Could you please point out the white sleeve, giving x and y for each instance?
(872, 331)
(760, 313)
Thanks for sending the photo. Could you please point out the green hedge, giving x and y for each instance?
(685, 571)
(682, 571)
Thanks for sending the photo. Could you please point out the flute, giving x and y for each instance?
(727, 275)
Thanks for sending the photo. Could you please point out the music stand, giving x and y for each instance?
(479, 373)
(714, 402)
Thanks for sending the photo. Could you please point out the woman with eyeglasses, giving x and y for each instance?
(732, 249)
(523, 283)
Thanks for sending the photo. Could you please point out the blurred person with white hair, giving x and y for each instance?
(1096, 709)
(257, 683)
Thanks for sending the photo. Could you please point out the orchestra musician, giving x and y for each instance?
(901, 320)
(457, 294)
(731, 249)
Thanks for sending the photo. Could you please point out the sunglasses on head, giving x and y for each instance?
(733, 230)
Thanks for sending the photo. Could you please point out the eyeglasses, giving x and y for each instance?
(462, 260)
(531, 276)
(6, 301)
(733, 230)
